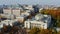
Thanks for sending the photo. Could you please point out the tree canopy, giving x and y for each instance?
(55, 14)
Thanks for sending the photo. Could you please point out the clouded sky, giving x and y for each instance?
(51, 2)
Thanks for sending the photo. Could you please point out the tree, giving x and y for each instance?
(58, 32)
(34, 30)
(40, 31)
(55, 14)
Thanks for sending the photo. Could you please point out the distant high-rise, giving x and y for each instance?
(1, 10)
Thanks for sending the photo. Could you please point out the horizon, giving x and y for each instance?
(31, 2)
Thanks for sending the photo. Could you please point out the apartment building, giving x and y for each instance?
(7, 11)
(15, 11)
(8, 16)
(22, 17)
(7, 22)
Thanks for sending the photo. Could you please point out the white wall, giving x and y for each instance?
(41, 24)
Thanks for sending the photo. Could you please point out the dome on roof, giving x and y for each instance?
(39, 16)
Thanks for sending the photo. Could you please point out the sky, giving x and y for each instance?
(43, 2)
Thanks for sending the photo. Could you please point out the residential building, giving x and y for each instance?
(7, 22)
(8, 16)
(16, 12)
(7, 10)
(22, 18)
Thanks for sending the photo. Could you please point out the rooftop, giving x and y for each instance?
(43, 18)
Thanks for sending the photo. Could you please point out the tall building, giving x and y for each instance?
(1, 10)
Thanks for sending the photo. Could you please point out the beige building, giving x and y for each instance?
(22, 18)
(15, 11)
(7, 11)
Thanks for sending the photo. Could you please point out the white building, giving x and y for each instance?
(29, 7)
(43, 22)
(6, 22)
(22, 17)
(57, 29)
(25, 13)
(1, 25)
(41, 9)
(9, 16)
(32, 24)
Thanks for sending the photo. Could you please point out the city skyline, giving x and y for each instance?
(31, 2)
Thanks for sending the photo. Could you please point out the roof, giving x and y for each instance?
(41, 18)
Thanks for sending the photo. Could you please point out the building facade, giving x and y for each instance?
(38, 24)
(15, 11)
(42, 22)
(7, 11)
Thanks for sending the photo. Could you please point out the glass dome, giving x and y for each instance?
(39, 17)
